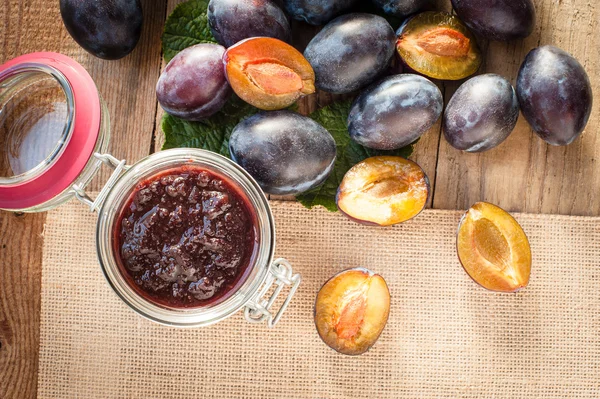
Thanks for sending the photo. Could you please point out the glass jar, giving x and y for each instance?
(53, 136)
(52, 120)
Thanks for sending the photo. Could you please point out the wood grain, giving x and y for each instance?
(20, 279)
(524, 173)
(127, 87)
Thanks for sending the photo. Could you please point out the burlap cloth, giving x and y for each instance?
(446, 337)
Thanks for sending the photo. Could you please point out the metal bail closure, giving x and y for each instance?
(118, 166)
(280, 275)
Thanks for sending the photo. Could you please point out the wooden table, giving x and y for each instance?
(523, 174)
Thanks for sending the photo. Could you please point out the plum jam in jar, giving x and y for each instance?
(185, 237)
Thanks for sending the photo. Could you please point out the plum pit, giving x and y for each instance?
(444, 42)
(274, 78)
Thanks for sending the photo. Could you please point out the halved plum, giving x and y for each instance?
(493, 248)
(438, 45)
(383, 190)
(351, 310)
(268, 73)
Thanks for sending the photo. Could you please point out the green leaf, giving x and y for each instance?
(186, 26)
(209, 134)
(349, 153)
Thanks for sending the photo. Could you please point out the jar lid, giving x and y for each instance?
(50, 116)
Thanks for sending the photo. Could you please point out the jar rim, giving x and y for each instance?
(50, 159)
(196, 316)
(86, 123)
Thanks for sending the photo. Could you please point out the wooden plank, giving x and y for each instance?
(127, 87)
(524, 173)
(20, 281)
(159, 136)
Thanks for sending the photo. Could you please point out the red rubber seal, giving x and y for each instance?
(61, 174)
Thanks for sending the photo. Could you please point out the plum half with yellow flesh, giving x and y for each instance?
(438, 45)
(268, 73)
(351, 310)
(383, 190)
(493, 248)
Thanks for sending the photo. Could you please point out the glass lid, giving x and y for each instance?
(50, 115)
(35, 122)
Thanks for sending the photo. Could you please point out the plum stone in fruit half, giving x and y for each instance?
(193, 85)
(268, 73)
(438, 45)
(285, 152)
(481, 114)
(497, 19)
(317, 12)
(395, 112)
(108, 29)
(555, 94)
(233, 20)
(402, 8)
(351, 52)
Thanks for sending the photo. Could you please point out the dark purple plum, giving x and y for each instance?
(402, 8)
(555, 94)
(317, 12)
(285, 152)
(481, 114)
(395, 112)
(351, 52)
(501, 20)
(108, 29)
(193, 85)
(231, 21)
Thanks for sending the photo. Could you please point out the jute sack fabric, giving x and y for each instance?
(446, 337)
